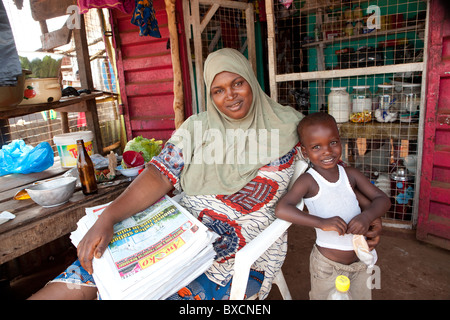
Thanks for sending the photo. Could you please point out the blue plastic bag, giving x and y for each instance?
(18, 157)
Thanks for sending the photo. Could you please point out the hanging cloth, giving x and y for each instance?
(10, 67)
(126, 6)
(144, 17)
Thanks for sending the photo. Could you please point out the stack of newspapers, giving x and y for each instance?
(152, 254)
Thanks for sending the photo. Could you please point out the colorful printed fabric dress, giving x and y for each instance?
(236, 218)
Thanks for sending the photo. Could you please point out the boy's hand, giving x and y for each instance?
(359, 224)
(334, 224)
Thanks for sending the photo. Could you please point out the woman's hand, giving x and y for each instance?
(95, 242)
(360, 224)
(374, 234)
(148, 187)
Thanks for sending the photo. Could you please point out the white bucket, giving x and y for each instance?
(66, 144)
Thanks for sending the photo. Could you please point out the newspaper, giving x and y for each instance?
(152, 254)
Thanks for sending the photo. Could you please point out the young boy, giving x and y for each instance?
(333, 210)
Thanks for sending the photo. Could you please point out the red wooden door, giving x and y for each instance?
(145, 75)
(434, 201)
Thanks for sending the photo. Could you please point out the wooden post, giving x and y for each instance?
(65, 122)
(271, 50)
(84, 69)
(196, 24)
(178, 102)
(250, 24)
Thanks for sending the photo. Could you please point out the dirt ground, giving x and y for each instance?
(409, 269)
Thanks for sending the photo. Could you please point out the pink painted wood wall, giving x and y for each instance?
(145, 76)
(434, 202)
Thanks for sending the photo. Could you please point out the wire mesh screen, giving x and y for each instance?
(215, 25)
(226, 29)
(377, 106)
(351, 34)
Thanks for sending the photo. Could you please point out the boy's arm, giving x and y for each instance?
(286, 208)
(379, 202)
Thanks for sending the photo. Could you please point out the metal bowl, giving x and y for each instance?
(52, 193)
(130, 172)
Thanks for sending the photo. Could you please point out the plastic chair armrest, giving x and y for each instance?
(252, 251)
(247, 256)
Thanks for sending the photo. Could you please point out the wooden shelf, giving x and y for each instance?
(314, 6)
(351, 72)
(63, 102)
(379, 130)
(339, 40)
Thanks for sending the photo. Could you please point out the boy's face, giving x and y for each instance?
(322, 145)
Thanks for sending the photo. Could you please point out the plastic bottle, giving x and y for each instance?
(317, 35)
(340, 292)
(86, 170)
(339, 104)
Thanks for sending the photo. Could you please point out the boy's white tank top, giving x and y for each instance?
(333, 199)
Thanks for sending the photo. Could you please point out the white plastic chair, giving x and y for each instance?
(254, 249)
(250, 252)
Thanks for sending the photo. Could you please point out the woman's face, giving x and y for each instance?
(232, 94)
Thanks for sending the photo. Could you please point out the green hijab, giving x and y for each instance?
(222, 154)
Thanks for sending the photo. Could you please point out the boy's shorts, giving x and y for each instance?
(324, 272)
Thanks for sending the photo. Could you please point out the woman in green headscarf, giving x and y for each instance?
(265, 118)
(233, 162)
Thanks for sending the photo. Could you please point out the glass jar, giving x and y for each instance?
(357, 13)
(339, 104)
(361, 99)
(348, 15)
(349, 29)
(386, 103)
(358, 28)
(410, 102)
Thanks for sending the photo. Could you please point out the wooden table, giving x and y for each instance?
(34, 225)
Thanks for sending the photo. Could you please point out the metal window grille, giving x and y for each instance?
(214, 25)
(325, 44)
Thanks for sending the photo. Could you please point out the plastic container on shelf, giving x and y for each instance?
(66, 144)
(361, 100)
(386, 103)
(410, 102)
(339, 104)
